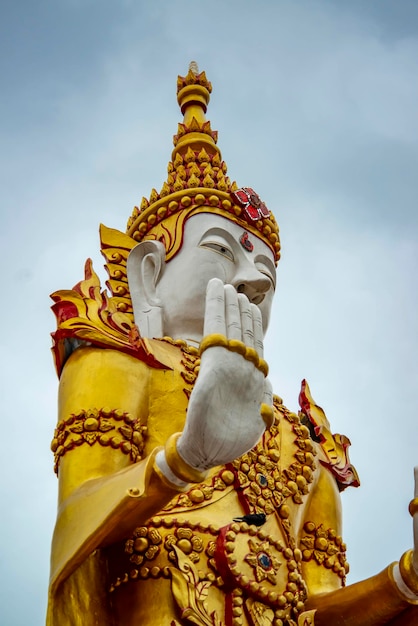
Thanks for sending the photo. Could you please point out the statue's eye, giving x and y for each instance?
(220, 248)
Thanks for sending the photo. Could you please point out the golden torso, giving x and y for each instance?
(191, 557)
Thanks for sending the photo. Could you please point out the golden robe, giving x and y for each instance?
(130, 550)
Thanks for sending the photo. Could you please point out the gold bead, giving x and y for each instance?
(284, 511)
(309, 527)
(196, 496)
(228, 477)
(321, 543)
(413, 507)
(199, 199)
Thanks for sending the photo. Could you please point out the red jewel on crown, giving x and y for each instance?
(253, 206)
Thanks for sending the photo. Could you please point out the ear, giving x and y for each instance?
(145, 265)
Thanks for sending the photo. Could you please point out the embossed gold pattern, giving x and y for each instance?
(106, 427)
(326, 548)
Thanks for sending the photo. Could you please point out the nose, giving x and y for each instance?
(254, 285)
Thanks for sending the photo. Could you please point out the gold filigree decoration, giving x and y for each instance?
(335, 447)
(191, 364)
(106, 427)
(307, 618)
(150, 549)
(259, 475)
(87, 314)
(185, 540)
(257, 571)
(261, 614)
(204, 492)
(265, 483)
(263, 560)
(326, 548)
(144, 545)
(190, 593)
(91, 313)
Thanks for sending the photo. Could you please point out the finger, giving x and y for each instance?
(258, 330)
(267, 410)
(246, 316)
(268, 392)
(215, 308)
(232, 313)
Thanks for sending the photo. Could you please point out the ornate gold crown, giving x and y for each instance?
(197, 180)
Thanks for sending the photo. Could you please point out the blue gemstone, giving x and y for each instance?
(262, 480)
(264, 560)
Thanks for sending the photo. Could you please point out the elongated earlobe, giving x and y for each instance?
(144, 267)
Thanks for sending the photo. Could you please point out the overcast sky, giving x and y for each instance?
(316, 107)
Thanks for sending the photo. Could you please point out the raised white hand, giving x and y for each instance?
(223, 418)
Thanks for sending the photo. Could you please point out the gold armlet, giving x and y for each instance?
(409, 575)
(250, 354)
(178, 466)
(413, 507)
(267, 413)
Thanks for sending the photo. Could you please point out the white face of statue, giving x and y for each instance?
(212, 248)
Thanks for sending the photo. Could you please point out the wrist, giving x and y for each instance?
(177, 464)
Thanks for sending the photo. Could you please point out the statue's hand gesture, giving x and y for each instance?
(231, 403)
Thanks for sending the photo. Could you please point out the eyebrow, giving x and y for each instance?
(220, 232)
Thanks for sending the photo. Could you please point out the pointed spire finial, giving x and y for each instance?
(193, 95)
(193, 67)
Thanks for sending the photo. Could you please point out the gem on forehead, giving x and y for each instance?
(246, 243)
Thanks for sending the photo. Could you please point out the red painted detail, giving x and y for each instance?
(254, 208)
(221, 561)
(228, 609)
(64, 311)
(246, 243)
(239, 490)
(137, 349)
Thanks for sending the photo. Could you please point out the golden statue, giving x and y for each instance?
(188, 492)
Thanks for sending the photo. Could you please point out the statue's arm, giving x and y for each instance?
(103, 407)
(371, 602)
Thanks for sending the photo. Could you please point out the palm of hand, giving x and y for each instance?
(223, 419)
